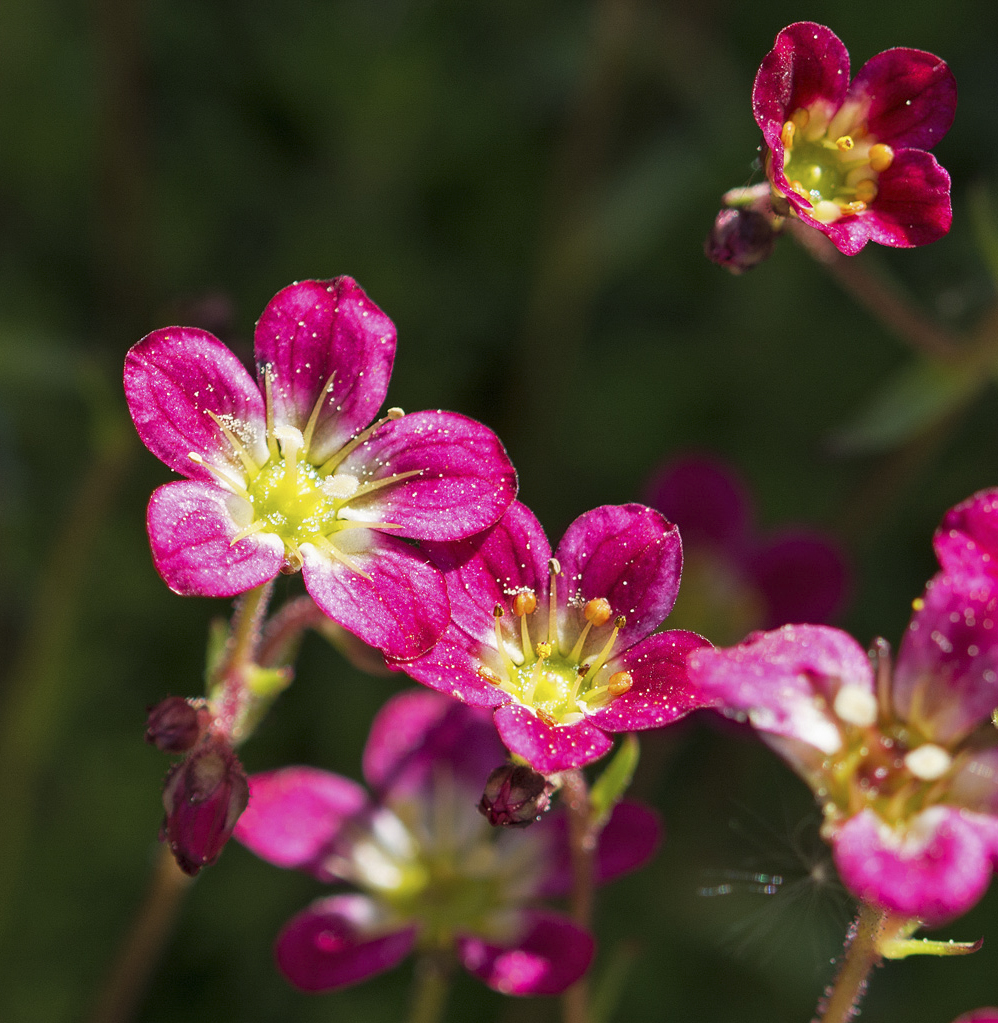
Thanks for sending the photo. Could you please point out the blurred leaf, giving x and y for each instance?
(610, 786)
(920, 395)
(985, 223)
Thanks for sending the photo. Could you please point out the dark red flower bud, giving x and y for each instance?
(176, 724)
(515, 796)
(740, 239)
(203, 796)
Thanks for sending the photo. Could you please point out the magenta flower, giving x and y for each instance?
(906, 768)
(734, 579)
(989, 1015)
(433, 875)
(285, 473)
(562, 647)
(849, 158)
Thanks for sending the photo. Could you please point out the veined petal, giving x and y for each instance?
(464, 479)
(340, 941)
(549, 748)
(315, 332)
(296, 813)
(966, 541)
(398, 605)
(629, 554)
(807, 63)
(174, 379)
(946, 677)
(662, 690)
(934, 868)
(911, 96)
(912, 205)
(786, 680)
(549, 955)
(416, 733)
(451, 667)
(191, 526)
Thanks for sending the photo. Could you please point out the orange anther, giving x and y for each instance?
(866, 191)
(881, 157)
(787, 134)
(597, 611)
(489, 675)
(525, 603)
(620, 682)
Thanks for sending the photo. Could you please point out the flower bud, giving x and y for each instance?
(203, 796)
(175, 724)
(515, 796)
(739, 239)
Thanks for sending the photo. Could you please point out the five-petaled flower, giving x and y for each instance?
(433, 875)
(849, 158)
(285, 473)
(561, 646)
(905, 764)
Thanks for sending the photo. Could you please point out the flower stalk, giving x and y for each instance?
(841, 1002)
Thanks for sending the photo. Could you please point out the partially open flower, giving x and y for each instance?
(515, 796)
(850, 158)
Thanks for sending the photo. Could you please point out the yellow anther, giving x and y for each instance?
(844, 143)
(866, 191)
(394, 413)
(619, 683)
(497, 611)
(787, 134)
(543, 651)
(489, 675)
(597, 611)
(525, 603)
(855, 207)
(881, 157)
(800, 117)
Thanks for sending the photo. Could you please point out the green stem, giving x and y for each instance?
(143, 945)
(244, 638)
(430, 984)
(841, 1001)
(582, 847)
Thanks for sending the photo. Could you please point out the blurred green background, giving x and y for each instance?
(524, 188)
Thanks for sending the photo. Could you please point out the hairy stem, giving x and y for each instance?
(582, 845)
(430, 984)
(841, 1001)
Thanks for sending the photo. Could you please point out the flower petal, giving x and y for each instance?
(451, 667)
(340, 941)
(398, 605)
(966, 541)
(975, 783)
(912, 206)
(629, 554)
(549, 748)
(296, 813)
(911, 96)
(191, 525)
(786, 680)
(316, 330)
(935, 868)
(417, 732)
(549, 955)
(173, 379)
(465, 483)
(946, 677)
(662, 691)
(807, 63)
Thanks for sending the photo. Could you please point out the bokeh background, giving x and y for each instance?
(524, 188)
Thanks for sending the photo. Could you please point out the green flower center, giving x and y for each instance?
(290, 501)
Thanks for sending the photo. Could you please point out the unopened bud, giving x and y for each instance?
(740, 239)
(203, 797)
(175, 724)
(515, 797)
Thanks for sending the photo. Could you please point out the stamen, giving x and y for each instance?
(619, 683)
(268, 388)
(800, 189)
(596, 612)
(619, 622)
(928, 762)
(800, 117)
(844, 143)
(341, 486)
(825, 211)
(253, 527)
(855, 705)
(495, 680)
(313, 418)
(525, 603)
(367, 488)
(881, 157)
(787, 134)
(543, 653)
(554, 567)
(330, 464)
(581, 672)
(866, 190)
(856, 207)
(337, 555)
(507, 662)
(237, 446)
(291, 441)
(223, 477)
(293, 559)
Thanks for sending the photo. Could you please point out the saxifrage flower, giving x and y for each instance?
(562, 646)
(904, 763)
(850, 158)
(285, 472)
(433, 875)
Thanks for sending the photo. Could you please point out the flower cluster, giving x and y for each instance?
(431, 874)
(904, 761)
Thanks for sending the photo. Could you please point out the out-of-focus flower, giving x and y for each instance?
(515, 796)
(989, 1015)
(561, 646)
(740, 239)
(905, 765)
(203, 796)
(849, 158)
(285, 473)
(432, 875)
(175, 725)
(734, 579)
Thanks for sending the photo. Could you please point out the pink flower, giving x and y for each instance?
(979, 1016)
(734, 578)
(431, 872)
(285, 473)
(562, 646)
(905, 767)
(849, 158)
